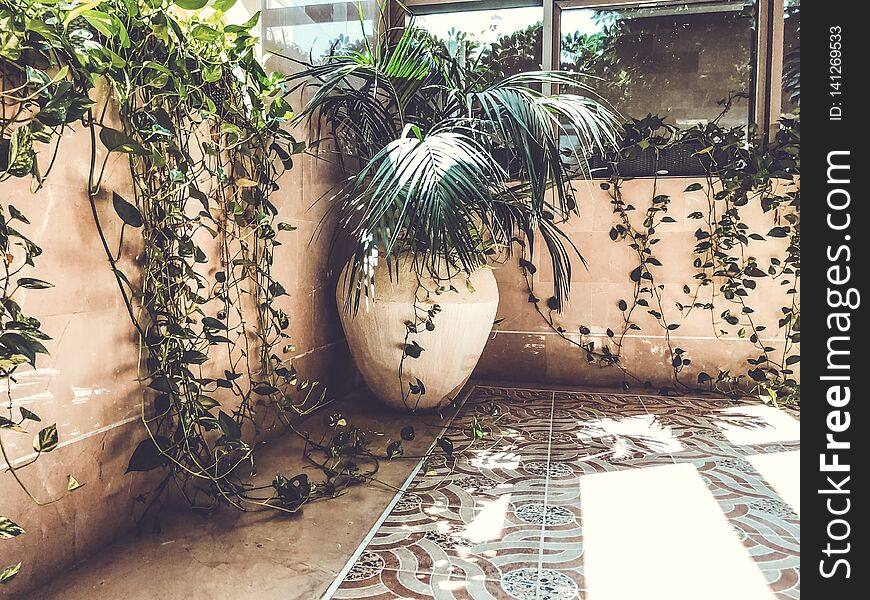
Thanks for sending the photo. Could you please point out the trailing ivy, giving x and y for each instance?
(203, 129)
(739, 173)
(24, 91)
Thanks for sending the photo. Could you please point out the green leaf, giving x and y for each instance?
(191, 4)
(229, 426)
(778, 232)
(212, 323)
(128, 213)
(14, 213)
(212, 73)
(528, 266)
(31, 283)
(9, 572)
(266, 389)
(72, 484)
(71, 15)
(204, 33)
(7, 424)
(207, 402)
(223, 5)
(417, 387)
(46, 440)
(244, 27)
(395, 450)
(693, 187)
(162, 384)
(194, 357)
(28, 415)
(413, 350)
(9, 529)
(118, 141)
(446, 445)
(102, 22)
(294, 492)
(335, 420)
(21, 157)
(148, 455)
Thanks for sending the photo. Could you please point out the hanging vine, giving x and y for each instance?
(203, 129)
(727, 271)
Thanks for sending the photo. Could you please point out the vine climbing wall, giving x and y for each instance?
(88, 383)
(527, 346)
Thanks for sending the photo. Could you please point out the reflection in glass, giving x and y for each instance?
(502, 42)
(791, 68)
(306, 29)
(676, 61)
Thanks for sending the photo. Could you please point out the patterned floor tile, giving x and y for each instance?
(390, 584)
(502, 516)
(486, 540)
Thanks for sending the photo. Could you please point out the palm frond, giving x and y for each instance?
(427, 132)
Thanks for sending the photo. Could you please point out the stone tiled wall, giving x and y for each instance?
(88, 386)
(523, 348)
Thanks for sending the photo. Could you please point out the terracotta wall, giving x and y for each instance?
(88, 385)
(523, 348)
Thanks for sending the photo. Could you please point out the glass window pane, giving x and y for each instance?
(505, 41)
(791, 68)
(676, 61)
(313, 28)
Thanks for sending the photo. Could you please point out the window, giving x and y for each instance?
(675, 61)
(313, 28)
(672, 58)
(504, 41)
(791, 67)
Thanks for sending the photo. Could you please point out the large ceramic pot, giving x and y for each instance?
(376, 334)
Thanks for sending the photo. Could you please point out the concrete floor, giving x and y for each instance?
(228, 555)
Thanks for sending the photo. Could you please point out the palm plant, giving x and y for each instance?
(419, 132)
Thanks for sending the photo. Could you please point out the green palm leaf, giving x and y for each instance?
(426, 134)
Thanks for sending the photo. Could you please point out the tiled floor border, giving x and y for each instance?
(546, 502)
(544, 387)
(340, 577)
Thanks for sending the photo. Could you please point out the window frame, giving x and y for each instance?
(766, 83)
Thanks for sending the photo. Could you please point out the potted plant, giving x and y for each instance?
(422, 133)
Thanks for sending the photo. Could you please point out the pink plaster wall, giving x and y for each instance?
(88, 385)
(523, 348)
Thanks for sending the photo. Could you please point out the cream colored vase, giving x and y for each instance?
(376, 334)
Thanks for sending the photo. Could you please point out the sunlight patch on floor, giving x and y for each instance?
(489, 522)
(757, 424)
(496, 460)
(782, 470)
(658, 534)
(645, 430)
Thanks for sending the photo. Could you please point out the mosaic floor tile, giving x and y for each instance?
(502, 518)
(539, 584)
